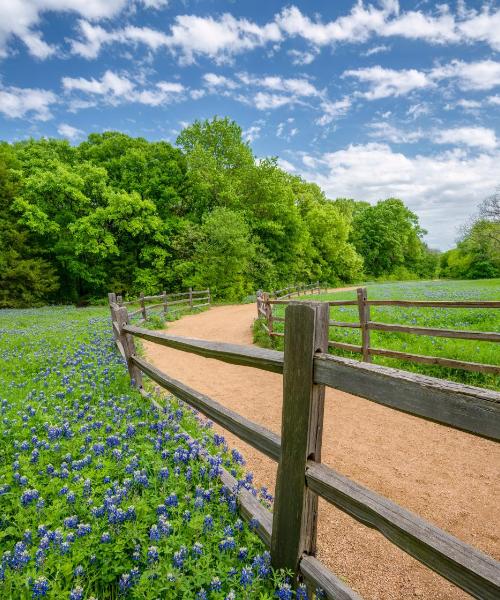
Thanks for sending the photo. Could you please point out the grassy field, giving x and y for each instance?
(447, 318)
(102, 495)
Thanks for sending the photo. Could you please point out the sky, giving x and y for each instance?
(369, 100)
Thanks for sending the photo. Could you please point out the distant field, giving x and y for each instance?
(447, 318)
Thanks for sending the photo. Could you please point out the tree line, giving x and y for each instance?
(124, 214)
(477, 254)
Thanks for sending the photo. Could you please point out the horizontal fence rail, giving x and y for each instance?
(291, 531)
(366, 325)
(189, 300)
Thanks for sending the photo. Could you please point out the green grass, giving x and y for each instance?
(80, 444)
(476, 319)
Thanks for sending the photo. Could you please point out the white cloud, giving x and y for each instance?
(377, 50)
(110, 83)
(252, 133)
(333, 110)
(480, 75)
(478, 137)
(474, 137)
(212, 80)
(287, 166)
(302, 58)
(442, 189)
(389, 82)
(67, 131)
(115, 89)
(19, 18)
(17, 103)
(495, 100)
(265, 101)
(365, 21)
(382, 130)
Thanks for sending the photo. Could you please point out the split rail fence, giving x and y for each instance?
(265, 310)
(170, 303)
(290, 531)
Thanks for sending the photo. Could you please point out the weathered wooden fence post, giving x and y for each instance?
(143, 306)
(165, 302)
(128, 345)
(268, 310)
(296, 507)
(190, 298)
(364, 317)
(209, 298)
(112, 302)
(259, 302)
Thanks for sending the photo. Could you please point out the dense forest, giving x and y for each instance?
(124, 214)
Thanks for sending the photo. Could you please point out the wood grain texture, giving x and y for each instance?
(447, 333)
(472, 409)
(364, 318)
(257, 436)
(344, 346)
(438, 360)
(468, 568)
(236, 354)
(437, 303)
(318, 575)
(295, 507)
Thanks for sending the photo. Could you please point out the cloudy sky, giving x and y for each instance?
(368, 99)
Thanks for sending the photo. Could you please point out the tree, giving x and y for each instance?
(223, 255)
(387, 235)
(26, 278)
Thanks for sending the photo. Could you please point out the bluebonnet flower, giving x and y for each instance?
(284, 592)
(154, 533)
(29, 496)
(172, 500)
(201, 595)
(153, 555)
(301, 593)
(208, 523)
(70, 497)
(105, 538)
(78, 572)
(246, 577)
(242, 553)
(216, 584)
(197, 549)
(83, 529)
(40, 587)
(164, 473)
(76, 593)
(227, 544)
(71, 522)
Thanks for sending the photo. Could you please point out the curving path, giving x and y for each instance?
(446, 476)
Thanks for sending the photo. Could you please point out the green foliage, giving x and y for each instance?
(387, 235)
(124, 214)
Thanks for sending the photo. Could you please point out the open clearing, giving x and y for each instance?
(446, 476)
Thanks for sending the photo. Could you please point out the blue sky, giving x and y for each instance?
(368, 99)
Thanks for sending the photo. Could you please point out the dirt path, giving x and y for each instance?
(446, 476)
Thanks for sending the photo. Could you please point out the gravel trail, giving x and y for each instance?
(448, 477)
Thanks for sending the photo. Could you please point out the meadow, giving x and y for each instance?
(478, 319)
(102, 494)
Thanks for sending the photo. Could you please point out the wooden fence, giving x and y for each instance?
(296, 289)
(265, 310)
(307, 368)
(170, 303)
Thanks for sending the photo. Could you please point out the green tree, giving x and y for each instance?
(26, 278)
(223, 255)
(387, 236)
